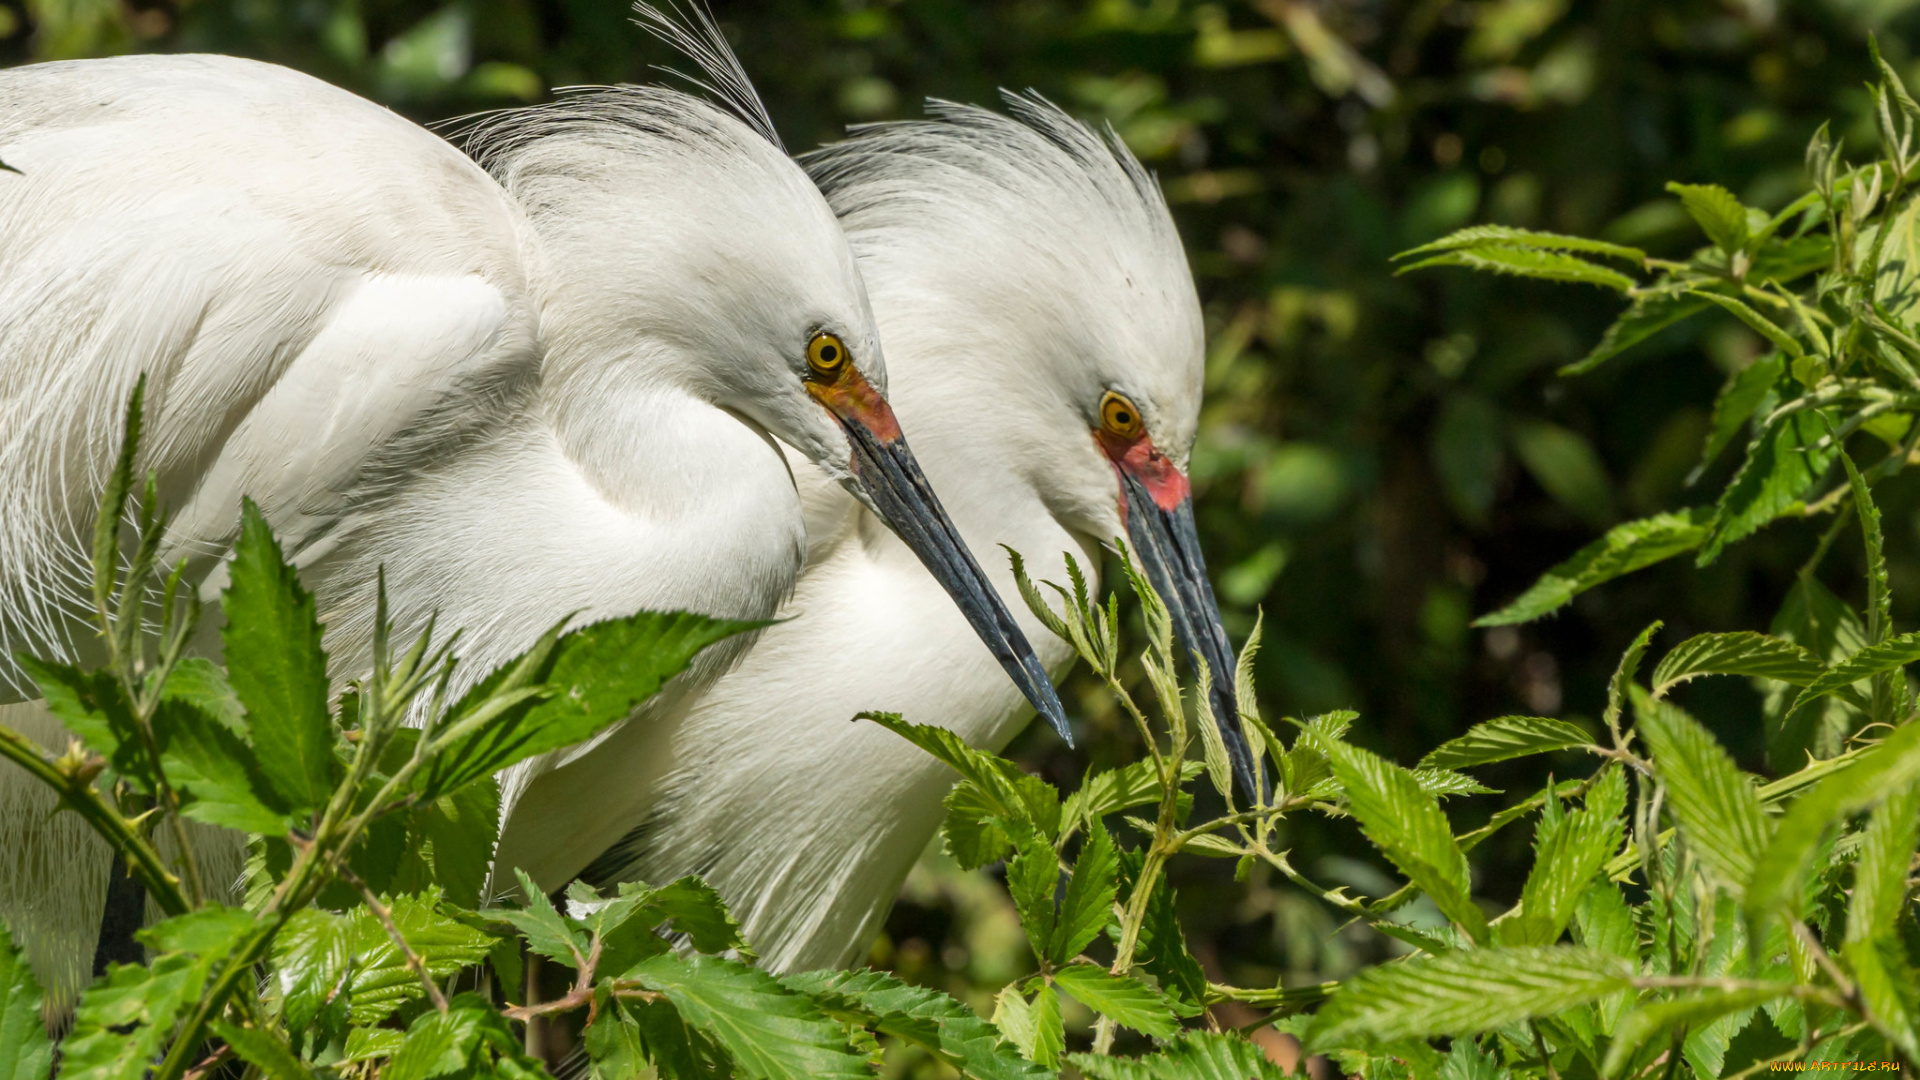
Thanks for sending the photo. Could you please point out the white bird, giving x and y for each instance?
(550, 385)
(1046, 346)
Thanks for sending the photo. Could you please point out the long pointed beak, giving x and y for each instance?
(886, 473)
(1159, 515)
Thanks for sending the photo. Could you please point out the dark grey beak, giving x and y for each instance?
(1168, 546)
(898, 491)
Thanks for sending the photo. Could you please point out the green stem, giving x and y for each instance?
(77, 794)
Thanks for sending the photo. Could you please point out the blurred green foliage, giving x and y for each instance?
(1381, 458)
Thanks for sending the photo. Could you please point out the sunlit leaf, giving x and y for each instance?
(1504, 738)
(1528, 262)
(1407, 825)
(1464, 992)
(1696, 1009)
(1717, 212)
(1192, 1055)
(1479, 236)
(1088, 905)
(1777, 474)
(1631, 546)
(25, 1050)
(1741, 653)
(1128, 1001)
(771, 1032)
(1718, 809)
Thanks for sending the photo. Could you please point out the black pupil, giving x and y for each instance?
(1122, 419)
(828, 354)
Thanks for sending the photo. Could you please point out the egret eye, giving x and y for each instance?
(826, 355)
(1118, 415)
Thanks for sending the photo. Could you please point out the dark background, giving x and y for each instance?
(1381, 458)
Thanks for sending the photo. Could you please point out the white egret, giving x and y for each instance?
(547, 385)
(1046, 346)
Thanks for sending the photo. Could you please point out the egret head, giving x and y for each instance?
(1034, 260)
(679, 250)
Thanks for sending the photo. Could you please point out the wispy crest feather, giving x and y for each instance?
(691, 30)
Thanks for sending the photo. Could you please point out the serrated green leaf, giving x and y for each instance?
(311, 954)
(1476, 236)
(1700, 1007)
(1049, 1029)
(1717, 807)
(602, 672)
(277, 667)
(1443, 783)
(263, 1049)
(1741, 653)
(1886, 851)
(1717, 212)
(1032, 877)
(126, 1018)
(1013, 1016)
(1889, 767)
(1746, 392)
(1778, 472)
(1505, 738)
(462, 829)
(220, 780)
(25, 1050)
(770, 1032)
(437, 1044)
(1407, 825)
(547, 931)
(381, 980)
(1758, 323)
(1088, 905)
(1568, 851)
(1126, 1000)
(1528, 262)
(1565, 464)
(696, 909)
(970, 832)
(1162, 948)
(1193, 1055)
(1625, 548)
(1890, 655)
(1463, 992)
(1648, 315)
(935, 1021)
(1603, 922)
(92, 706)
(1015, 795)
(1114, 790)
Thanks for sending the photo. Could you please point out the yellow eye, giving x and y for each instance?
(1118, 415)
(826, 355)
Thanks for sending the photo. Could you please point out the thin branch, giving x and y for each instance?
(385, 915)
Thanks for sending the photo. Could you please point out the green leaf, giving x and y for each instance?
(1014, 1016)
(1088, 905)
(1882, 968)
(462, 829)
(1193, 1055)
(1745, 393)
(1603, 922)
(1504, 738)
(92, 706)
(1049, 1030)
(1407, 825)
(1625, 548)
(217, 772)
(1717, 807)
(1011, 793)
(1828, 627)
(1478, 236)
(1162, 949)
(771, 1032)
(1565, 464)
(1463, 992)
(602, 672)
(1648, 315)
(437, 1044)
(1755, 321)
(1741, 653)
(382, 981)
(1568, 851)
(1890, 655)
(1126, 1000)
(311, 957)
(1779, 470)
(1528, 262)
(1888, 767)
(935, 1021)
(1697, 1009)
(127, 1017)
(1114, 790)
(1032, 875)
(548, 932)
(265, 1049)
(277, 667)
(695, 909)
(25, 1050)
(1718, 213)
